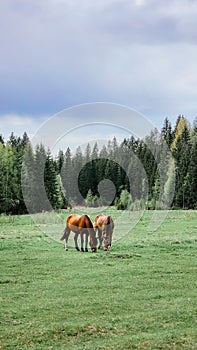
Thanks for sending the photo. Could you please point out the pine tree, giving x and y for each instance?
(192, 174)
(1, 139)
(67, 177)
(181, 152)
(60, 161)
(194, 130)
(50, 181)
(29, 180)
(103, 153)
(136, 175)
(41, 200)
(166, 132)
(95, 152)
(77, 165)
(10, 181)
(181, 125)
(90, 200)
(3, 178)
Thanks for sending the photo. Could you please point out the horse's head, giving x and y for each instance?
(93, 241)
(106, 240)
(107, 233)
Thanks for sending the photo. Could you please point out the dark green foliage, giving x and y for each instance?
(1, 139)
(192, 174)
(67, 176)
(29, 179)
(183, 158)
(166, 132)
(143, 168)
(11, 158)
(51, 182)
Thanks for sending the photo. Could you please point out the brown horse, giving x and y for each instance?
(80, 225)
(104, 225)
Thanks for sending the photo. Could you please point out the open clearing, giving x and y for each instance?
(140, 295)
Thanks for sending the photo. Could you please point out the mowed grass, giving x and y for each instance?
(140, 295)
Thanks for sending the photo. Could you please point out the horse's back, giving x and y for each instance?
(72, 219)
(85, 221)
(102, 220)
(99, 219)
(79, 221)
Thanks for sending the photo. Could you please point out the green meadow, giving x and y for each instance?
(142, 294)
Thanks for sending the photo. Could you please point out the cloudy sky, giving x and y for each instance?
(56, 54)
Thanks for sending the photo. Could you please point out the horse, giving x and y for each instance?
(104, 225)
(80, 225)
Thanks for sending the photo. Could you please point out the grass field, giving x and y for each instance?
(140, 295)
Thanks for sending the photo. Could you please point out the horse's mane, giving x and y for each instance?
(108, 220)
(90, 222)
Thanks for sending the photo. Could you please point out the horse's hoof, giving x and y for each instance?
(86, 249)
(82, 250)
(77, 249)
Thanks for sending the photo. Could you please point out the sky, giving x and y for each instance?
(56, 54)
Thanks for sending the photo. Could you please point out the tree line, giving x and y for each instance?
(158, 171)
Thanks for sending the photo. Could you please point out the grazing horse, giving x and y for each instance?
(104, 225)
(80, 225)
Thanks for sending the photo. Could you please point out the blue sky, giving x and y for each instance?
(56, 54)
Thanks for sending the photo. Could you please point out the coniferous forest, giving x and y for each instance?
(139, 173)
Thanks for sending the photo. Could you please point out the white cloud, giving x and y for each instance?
(18, 124)
(91, 134)
(13, 120)
(58, 53)
(140, 2)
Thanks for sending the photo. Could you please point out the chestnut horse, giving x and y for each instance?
(80, 225)
(104, 225)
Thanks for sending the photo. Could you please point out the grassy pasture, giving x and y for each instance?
(140, 295)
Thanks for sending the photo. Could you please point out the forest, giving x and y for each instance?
(159, 171)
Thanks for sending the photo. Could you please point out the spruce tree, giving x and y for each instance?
(50, 181)
(67, 177)
(166, 132)
(29, 177)
(41, 200)
(192, 174)
(181, 152)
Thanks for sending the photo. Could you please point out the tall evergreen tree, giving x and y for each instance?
(41, 200)
(29, 176)
(181, 152)
(77, 165)
(3, 178)
(60, 161)
(67, 177)
(95, 152)
(1, 139)
(192, 174)
(166, 132)
(51, 182)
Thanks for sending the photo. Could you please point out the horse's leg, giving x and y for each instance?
(86, 242)
(100, 238)
(82, 240)
(76, 243)
(110, 239)
(67, 233)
